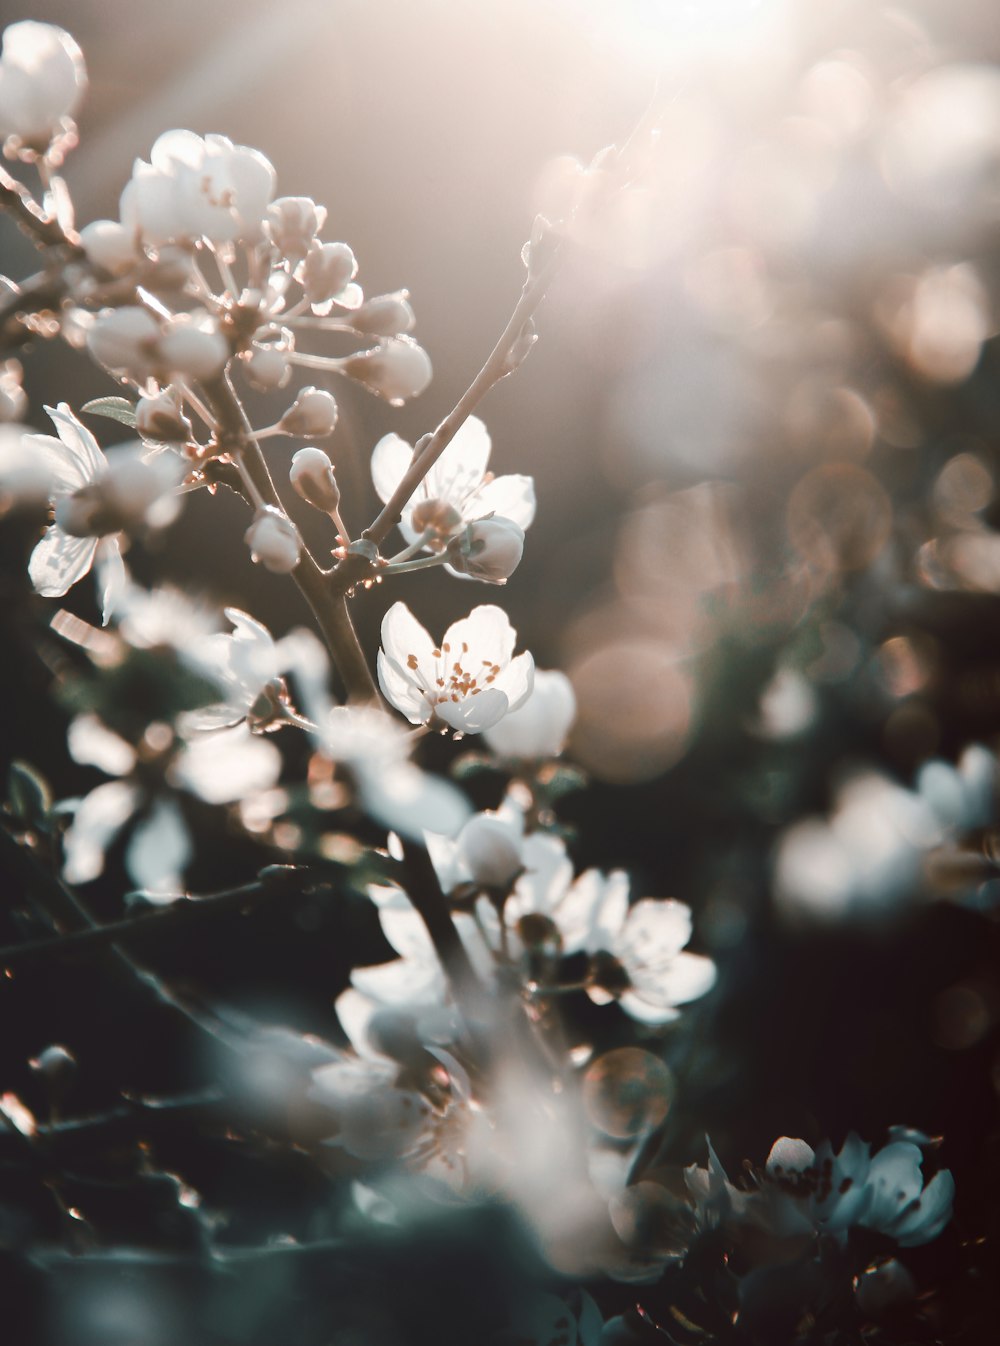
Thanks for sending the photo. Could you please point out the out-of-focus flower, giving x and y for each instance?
(42, 79)
(538, 728)
(274, 540)
(268, 366)
(25, 475)
(160, 417)
(311, 474)
(396, 369)
(192, 346)
(458, 490)
(109, 246)
(489, 852)
(468, 684)
(313, 414)
(93, 497)
(196, 188)
(126, 341)
(489, 550)
(248, 665)
(13, 399)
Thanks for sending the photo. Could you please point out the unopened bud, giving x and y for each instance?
(489, 849)
(42, 79)
(126, 341)
(435, 516)
(274, 541)
(397, 369)
(313, 414)
(109, 246)
(385, 315)
(268, 367)
(193, 346)
(311, 474)
(488, 550)
(161, 418)
(292, 223)
(327, 271)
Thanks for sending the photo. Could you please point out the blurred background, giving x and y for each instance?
(763, 423)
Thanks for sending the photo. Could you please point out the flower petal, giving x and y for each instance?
(512, 497)
(59, 561)
(391, 457)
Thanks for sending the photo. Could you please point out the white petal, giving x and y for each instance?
(655, 931)
(404, 638)
(512, 497)
(547, 877)
(927, 1217)
(517, 680)
(792, 1156)
(159, 849)
(112, 576)
(400, 691)
(644, 1011)
(486, 631)
(459, 472)
(227, 766)
(686, 977)
(97, 821)
(895, 1180)
(411, 802)
(473, 714)
(78, 440)
(59, 561)
(578, 914)
(91, 743)
(391, 457)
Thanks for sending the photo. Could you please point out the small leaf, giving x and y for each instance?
(115, 408)
(29, 795)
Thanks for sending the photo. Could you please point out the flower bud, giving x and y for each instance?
(126, 341)
(385, 315)
(161, 418)
(311, 474)
(268, 367)
(327, 271)
(42, 79)
(489, 849)
(193, 346)
(489, 550)
(123, 497)
(313, 414)
(109, 246)
(292, 223)
(538, 728)
(435, 516)
(397, 369)
(273, 541)
(883, 1287)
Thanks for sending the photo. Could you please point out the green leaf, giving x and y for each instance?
(29, 796)
(115, 408)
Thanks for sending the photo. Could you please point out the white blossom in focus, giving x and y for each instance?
(539, 727)
(467, 684)
(194, 188)
(42, 79)
(458, 490)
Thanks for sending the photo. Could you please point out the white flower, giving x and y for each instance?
(467, 684)
(458, 489)
(274, 540)
(195, 188)
(25, 476)
(488, 550)
(327, 273)
(396, 369)
(539, 727)
(489, 851)
(110, 246)
(593, 916)
(42, 79)
(292, 224)
(75, 462)
(226, 766)
(832, 1192)
(191, 345)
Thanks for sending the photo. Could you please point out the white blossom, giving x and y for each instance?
(539, 727)
(327, 275)
(25, 475)
(75, 462)
(196, 188)
(42, 79)
(292, 224)
(458, 489)
(467, 684)
(109, 246)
